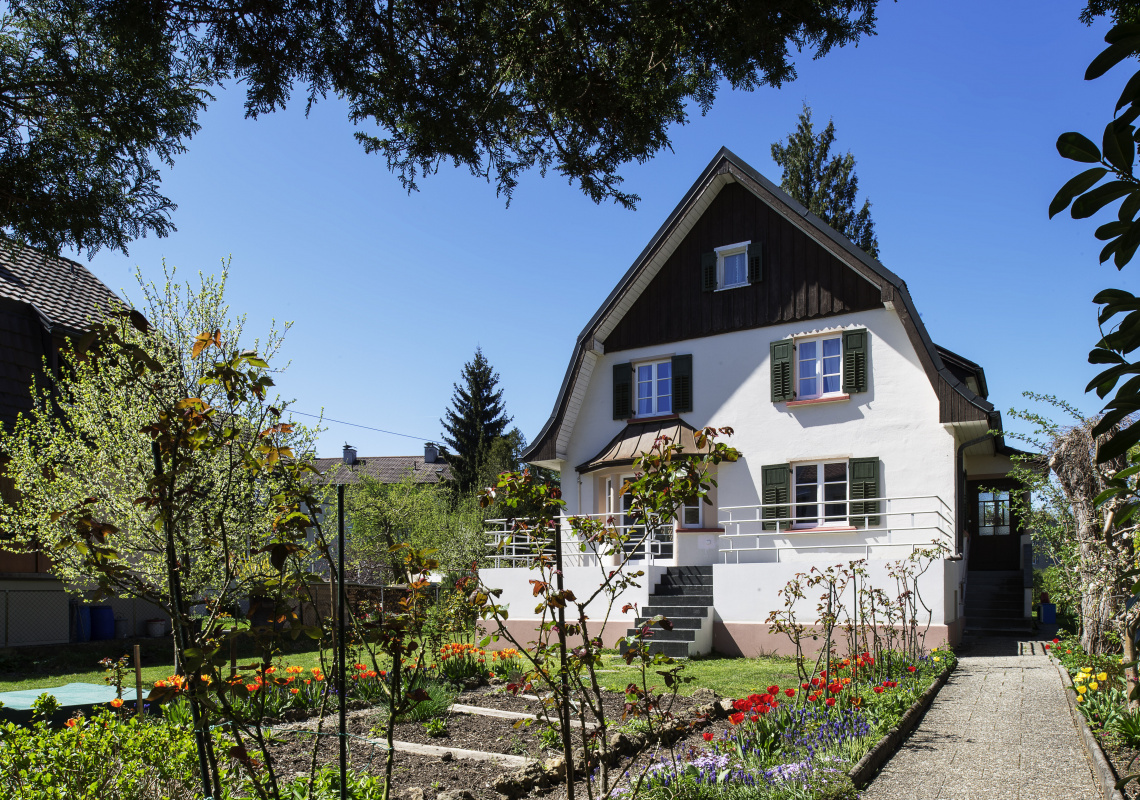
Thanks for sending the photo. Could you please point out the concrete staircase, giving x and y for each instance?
(685, 597)
(995, 602)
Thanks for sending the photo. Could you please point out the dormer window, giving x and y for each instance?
(732, 266)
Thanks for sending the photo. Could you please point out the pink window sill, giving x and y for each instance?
(838, 398)
(841, 529)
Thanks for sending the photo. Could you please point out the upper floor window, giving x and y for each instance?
(654, 388)
(819, 367)
(732, 266)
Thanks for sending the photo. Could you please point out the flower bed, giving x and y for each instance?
(793, 741)
(1100, 694)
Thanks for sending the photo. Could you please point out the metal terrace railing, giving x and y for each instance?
(883, 524)
(514, 548)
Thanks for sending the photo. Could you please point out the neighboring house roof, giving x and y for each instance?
(64, 292)
(385, 469)
(958, 403)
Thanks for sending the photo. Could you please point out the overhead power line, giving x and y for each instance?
(366, 427)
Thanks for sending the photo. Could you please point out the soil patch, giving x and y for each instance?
(1121, 758)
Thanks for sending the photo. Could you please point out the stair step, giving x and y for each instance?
(671, 649)
(1004, 623)
(678, 622)
(679, 591)
(675, 635)
(675, 611)
(690, 570)
(685, 580)
(684, 599)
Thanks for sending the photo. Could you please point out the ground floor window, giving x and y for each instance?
(820, 492)
(993, 513)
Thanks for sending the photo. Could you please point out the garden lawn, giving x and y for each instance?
(728, 677)
(48, 667)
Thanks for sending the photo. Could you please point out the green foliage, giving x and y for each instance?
(436, 728)
(1127, 726)
(94, 99)
(825, 184)
(94, 421)
(474, 422)
(1087, 194)
(105, 758)
(45, 706)
(426, 516)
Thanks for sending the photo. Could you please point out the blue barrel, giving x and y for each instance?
(1048, 613)
(102, 623)
(82, 623)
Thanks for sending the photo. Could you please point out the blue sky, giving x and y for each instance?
(951, 111)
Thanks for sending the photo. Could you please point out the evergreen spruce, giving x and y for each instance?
(826, 184)
(475, 421)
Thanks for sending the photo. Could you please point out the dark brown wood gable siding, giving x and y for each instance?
(801, 280)
(953, 407)
(23, 343)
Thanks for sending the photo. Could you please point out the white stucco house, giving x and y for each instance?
(861, 438)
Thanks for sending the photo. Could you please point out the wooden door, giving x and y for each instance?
(995, 530)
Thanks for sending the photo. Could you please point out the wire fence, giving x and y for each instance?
(33, 616)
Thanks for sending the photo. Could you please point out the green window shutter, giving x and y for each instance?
(782, 354)
(756, 262)
(863, 474)
(855, 346)
(708, 272)
(775, 487)
(682, 383)
(623, 391)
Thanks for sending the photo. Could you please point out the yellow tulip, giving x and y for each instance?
(1082, 689)
(1102, 676)
(936, 658)
(1094, 686)
(1086, 670)
(1078, 679)
(1080, 698)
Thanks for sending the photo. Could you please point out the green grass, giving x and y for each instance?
(730, 677)
(47, 667)
(50, 666)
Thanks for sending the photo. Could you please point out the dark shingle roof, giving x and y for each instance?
(64, 292)
(386, 469)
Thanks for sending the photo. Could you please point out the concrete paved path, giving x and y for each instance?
(1000, 729)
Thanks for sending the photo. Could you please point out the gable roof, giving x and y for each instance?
(64, 293)
(957, 402)
(385, 469)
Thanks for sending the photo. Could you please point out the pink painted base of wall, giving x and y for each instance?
(525, 631)
(751, 639)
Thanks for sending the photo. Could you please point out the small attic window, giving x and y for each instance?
(972, 385)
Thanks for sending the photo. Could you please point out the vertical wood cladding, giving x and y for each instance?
(801, 280)
(22, 349)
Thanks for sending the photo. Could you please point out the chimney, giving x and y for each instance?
(349, 456)
(431, 453)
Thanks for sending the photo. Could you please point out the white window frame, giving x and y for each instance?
(731, 250)
(819, 366)
(655, 411)
(821, 520)
(681, 523)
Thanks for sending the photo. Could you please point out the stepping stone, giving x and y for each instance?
(457, 752)
(459, 708)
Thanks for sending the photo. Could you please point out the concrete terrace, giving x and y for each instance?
(1000, 729)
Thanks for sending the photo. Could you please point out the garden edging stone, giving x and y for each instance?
(1106, 776)
(886, 747)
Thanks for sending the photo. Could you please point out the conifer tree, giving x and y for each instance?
(475, 420)
(826, 184)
